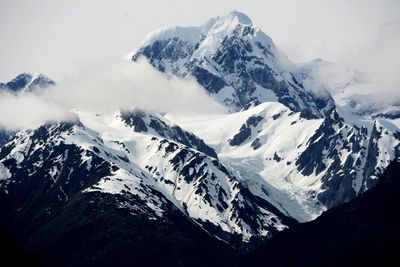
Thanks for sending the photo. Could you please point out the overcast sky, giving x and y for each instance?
(61, 38)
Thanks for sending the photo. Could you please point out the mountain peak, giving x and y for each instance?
(225, 24)
(215, 26)
(237, 17)
(26, 82)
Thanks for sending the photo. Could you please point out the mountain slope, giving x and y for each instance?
(363, 232)
(236, 63)
(302, 165)
(161, 173)
(249, 183)
(46, 211)
(46, 200)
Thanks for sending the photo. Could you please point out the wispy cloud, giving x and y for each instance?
(106, 89)
(28, 110)
(369, 70)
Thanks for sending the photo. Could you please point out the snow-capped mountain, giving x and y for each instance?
(142, 155)
(229, 54)
(302, 165)
(68, 189)
(283, 154)
(27, 82)
(235, 61)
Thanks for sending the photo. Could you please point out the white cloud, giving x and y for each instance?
(28, 111)
(106, 89)
(371, 70)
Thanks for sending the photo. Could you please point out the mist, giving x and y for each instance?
(105, 89)
(370, 70)
(28, 110)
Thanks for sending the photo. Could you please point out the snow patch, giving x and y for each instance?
(4, 172)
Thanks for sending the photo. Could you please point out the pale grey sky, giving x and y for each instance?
(62, 37)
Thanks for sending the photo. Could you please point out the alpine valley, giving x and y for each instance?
(135, 187)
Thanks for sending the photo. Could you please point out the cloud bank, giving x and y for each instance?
(28, 110)
(370, 70)
(105, 89)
